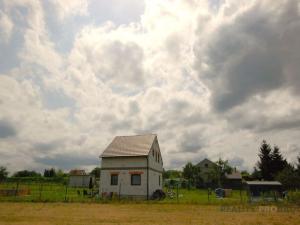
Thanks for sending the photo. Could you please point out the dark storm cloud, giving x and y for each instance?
(260, 122)
(7, 129)
(252, 55)
(256, 72)
(283, 124)
(68, 161)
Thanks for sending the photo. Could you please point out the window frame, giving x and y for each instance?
(111, 179)
(140, 180)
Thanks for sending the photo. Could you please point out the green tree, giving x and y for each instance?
(197, 177)
(96, 172)
(289, 177)
(91, 184)
(26, 173)
(278, 162)
(188, 172)
(49, 172)
(3, 173)
(172, 174)
(61, 173)
(298, 166)
(265, 161)
(246, 175)
(256, 174)
(220, 169)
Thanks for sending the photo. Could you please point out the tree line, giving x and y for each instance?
(48, 173)
(271, 165)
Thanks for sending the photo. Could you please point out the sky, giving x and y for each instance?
(212, 78)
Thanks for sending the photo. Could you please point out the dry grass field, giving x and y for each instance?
(139, 214)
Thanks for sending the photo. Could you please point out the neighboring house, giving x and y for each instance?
(233, 180)
(131, 166)
(206, 170)
(79, 178)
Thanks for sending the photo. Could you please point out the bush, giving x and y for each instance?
(294, 197)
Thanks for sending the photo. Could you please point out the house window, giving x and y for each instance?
(158, 180)
(206, 165)
(135, 179)
(114, 179)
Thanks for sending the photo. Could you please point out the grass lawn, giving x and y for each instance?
(179, 214)
(201, 197)
(54, 192)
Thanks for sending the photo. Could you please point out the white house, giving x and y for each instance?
(79, 178)
(206, 168)
(131, 166)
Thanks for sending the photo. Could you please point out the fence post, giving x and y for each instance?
(120, 191)
(177, 192)
(241, 197)
(66, 192)
(17, 188)
(40, 191)
(208, 194)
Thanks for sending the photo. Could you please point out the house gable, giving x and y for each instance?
(155, 157)
(206, 163)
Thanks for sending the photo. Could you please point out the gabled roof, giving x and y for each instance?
(205, 161)
(77, 172)
(257, 182)
(137, 145)
(234, 175)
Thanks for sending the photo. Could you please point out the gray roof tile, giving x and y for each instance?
(138, 145)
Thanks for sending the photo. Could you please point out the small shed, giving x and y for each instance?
(79, 178)
(265, 189)
(233, 180)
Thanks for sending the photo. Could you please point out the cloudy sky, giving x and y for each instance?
(212, 78)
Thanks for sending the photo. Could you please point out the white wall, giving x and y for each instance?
(124, 183)
(79, 181)
(116, 162)
(154, 182)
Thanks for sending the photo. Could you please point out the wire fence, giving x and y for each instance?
(45, 191)
(59, 190)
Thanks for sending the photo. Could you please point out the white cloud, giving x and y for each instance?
(67, 8)
(212, 80)
(6, 27)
